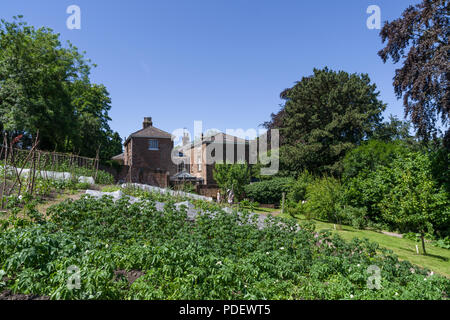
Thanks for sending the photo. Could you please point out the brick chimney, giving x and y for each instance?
(186, 139)
(147, 122)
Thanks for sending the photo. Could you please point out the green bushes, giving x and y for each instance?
(323, 199)
(403, 195)
(297, 190)
(269, 191)
(232, 177)
(384, 186)
(357, 217)
(104, 177)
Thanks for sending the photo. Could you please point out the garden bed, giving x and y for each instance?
(136, 251)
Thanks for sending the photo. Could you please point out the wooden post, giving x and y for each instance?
(96, 163)
(5, 145)
(34, 171)
(422, 237)
(282, 202)
(13, 163)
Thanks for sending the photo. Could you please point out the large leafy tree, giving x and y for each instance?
(45, 87)
(419, 39)
(324, 116)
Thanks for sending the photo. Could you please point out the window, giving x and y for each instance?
(153, 145)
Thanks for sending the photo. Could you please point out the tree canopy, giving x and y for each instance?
(324, 116)
(45, 87)
(419, 39)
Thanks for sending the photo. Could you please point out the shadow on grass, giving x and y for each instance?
(445, 259)
(428, 255)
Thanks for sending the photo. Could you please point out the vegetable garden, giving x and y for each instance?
(132, 251)
(34, 172)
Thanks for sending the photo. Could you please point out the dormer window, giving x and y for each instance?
(153, 145)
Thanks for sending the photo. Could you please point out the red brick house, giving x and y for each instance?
(147, 155)
(197, 154)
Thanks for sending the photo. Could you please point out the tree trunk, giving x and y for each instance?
(422, 237)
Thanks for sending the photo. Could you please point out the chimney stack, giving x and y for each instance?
(147, 122)
(186, 138)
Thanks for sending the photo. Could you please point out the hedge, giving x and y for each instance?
(269, 191)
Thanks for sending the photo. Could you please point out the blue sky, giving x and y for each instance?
(221, 62)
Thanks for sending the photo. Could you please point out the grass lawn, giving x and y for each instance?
(437, 259)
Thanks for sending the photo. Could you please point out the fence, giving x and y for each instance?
(20, 168)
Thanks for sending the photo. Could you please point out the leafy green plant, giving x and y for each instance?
(324, 199)
(357, 217)
(104, 177)
(111, 188)
(220, 255)
(82, 186)
(442, 243)
(297, 190)
(232, 177)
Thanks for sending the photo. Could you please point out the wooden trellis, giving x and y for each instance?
(15, 160)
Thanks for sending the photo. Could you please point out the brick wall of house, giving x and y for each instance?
(206, 172)
(194, 168)
(127, 153)
(148, 176)
(141, 165)
(209, 173)
(153, 159)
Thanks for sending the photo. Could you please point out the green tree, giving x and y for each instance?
(45, 87)
(394, 130)
(414, 202)
(92, 103)
(232, 177)
(369, 155)
(324, 116)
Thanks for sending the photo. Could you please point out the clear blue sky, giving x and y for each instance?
(222, 62)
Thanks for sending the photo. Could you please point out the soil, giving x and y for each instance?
(55, 199)
(8, 295)
(131, 276)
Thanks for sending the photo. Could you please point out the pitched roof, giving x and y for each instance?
(227, 138)
(149, 132)
(118, 157)
(222, 137)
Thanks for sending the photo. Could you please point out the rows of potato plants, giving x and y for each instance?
(218, 256)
